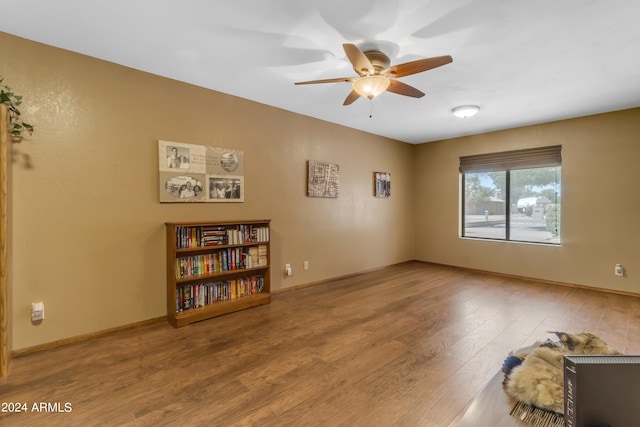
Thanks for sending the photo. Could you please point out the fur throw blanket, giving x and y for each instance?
(535, 374)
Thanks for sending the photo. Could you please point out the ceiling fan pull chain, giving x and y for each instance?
(371, 108)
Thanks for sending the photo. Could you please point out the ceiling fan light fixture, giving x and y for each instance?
(371, 86)
(465, 111)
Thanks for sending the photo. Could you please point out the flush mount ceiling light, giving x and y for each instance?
(465, 111)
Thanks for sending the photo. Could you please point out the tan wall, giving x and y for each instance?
(88, 230)
(600, 203)
(88, 235)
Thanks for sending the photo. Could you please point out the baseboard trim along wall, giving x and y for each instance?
(85, 337)
(549, 282)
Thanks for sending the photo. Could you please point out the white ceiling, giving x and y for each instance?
(522, 62)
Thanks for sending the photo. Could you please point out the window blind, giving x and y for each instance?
(517, 159)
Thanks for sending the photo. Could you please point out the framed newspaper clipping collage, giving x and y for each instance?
(198, 173)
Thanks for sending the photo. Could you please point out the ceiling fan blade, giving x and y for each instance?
(360, 62)
(353, 95)
(336, 80)
(404, 89)
(418, 66)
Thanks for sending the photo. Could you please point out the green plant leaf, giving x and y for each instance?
(13, 101)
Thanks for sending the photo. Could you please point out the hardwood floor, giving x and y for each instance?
(409, 345)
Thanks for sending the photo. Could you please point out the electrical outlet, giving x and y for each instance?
(618, 270)
(287, 269)
(305, 265)
(37, 311)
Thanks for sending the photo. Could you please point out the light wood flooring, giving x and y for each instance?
(409, 345)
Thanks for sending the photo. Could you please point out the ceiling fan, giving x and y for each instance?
(377, 76)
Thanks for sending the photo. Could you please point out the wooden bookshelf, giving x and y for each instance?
(215, 268)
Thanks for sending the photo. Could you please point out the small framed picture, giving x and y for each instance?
(323, 179)
(382, 184)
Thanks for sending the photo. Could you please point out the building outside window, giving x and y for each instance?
(513, 195)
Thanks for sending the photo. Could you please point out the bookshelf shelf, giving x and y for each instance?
(215, 268)
(222, 274)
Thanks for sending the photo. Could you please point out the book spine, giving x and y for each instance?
(570, 391)
(186, 300)
(184, 237)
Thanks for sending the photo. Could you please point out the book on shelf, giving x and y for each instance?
(186, 298)
(213, 236)
(247, 259)
(213, 240)
(262, 255)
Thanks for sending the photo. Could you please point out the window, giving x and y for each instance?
(513, 195)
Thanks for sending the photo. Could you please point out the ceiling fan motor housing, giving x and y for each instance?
(378, 59)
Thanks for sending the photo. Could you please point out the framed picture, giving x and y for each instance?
(382, 184)
(225, 188)
(323, 179)
(198, 173)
